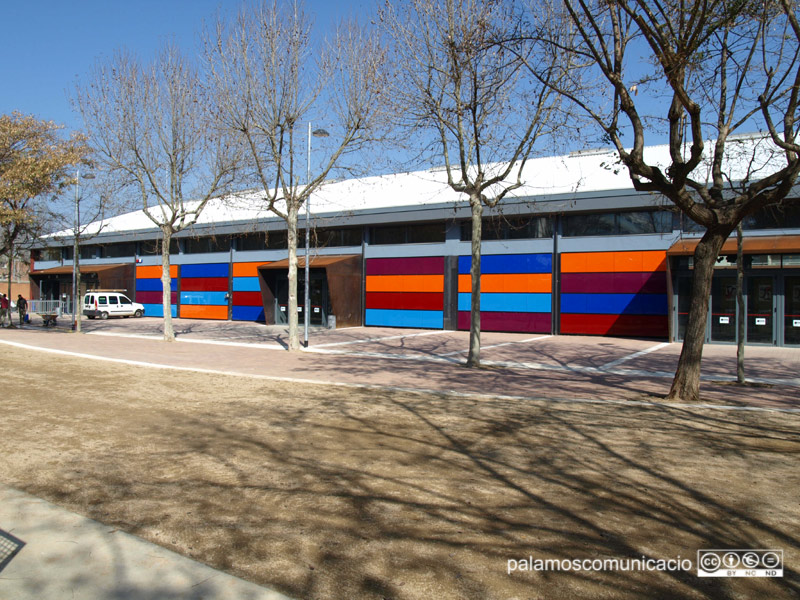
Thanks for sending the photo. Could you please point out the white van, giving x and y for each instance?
(110, 304)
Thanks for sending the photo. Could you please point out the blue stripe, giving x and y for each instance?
(495, 302)
(157, 310)
(248, 313)
(509, 263)
(614, 304)
(204, 298)
(206, 270)
(246, 284)
(429, 319)
(154, 285)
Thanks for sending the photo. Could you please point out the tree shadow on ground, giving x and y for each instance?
(329, 493)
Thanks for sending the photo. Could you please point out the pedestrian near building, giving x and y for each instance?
(22, 308)
(3, 309)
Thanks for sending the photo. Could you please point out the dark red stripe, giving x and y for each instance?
(426, 265)
(247, 299)
(507, 321)
(406, 300)
(622, 325)
(154, 297)
(614, 283)
(204, 284)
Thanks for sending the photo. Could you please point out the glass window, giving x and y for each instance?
(619, 223)
(88, 252)
(596, 224)
(388, 235)
(644, 222)
(326, 238)
(262, 240)
(784, 216)
(102, 300)
(119, 250)
(113, 300)
(50, 254)
(765, 260)
(151, 247)
(517, 228)
(124, 300)
(421, 233)
(213, 243)
(791, 260)
(425, 233)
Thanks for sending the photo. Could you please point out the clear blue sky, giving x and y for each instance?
(47, 44)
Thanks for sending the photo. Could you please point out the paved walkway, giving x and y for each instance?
(47, 552)
(517, 365)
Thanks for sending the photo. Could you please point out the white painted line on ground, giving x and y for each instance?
(390, 388)
(139, 336)
(179, 338)
(382, 339)
(445, 358)
(543, 337)
(619, 361)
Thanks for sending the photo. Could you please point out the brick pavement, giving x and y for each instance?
(520, 365)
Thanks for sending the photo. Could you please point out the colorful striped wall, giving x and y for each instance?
(149, 290)
(405, 292)
(204, 291)
(614, 293)
(515, 292)
(247, 304)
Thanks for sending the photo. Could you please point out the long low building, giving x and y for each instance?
(576, 250)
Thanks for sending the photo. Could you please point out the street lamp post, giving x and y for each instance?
(75, 247)
(306, 314)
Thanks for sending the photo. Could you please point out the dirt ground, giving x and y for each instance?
(329, 492)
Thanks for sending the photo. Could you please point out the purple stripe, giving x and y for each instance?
(504, 321)
(614, 283)
(426, 265)
(154, 297)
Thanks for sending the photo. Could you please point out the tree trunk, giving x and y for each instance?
(740, 314)
(8, 294)
(291, 227)
(166, 284)
(686, 384)
(474, 356)
(78, 308)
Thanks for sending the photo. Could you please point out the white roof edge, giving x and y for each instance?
(575, 173)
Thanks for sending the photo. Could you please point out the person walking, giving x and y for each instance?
(22, 308)
(3, 309)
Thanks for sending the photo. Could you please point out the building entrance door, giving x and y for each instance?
(761, 309)
(723, 309)
(318, 296)
(791, 310)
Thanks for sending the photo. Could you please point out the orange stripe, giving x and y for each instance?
(247, 269)
(154, 272)
(405, 283)
(193, 311)
(614, 262)
(517, 283)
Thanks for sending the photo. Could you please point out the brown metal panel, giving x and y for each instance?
(770, 244)
(344, 287)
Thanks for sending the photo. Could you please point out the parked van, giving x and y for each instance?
(102, 304)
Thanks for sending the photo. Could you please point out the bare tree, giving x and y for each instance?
(153, 139)
(266, 87)
(717, 67)
(79, 220)
(463, 95)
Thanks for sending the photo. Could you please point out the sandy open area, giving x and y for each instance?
(330, 492)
